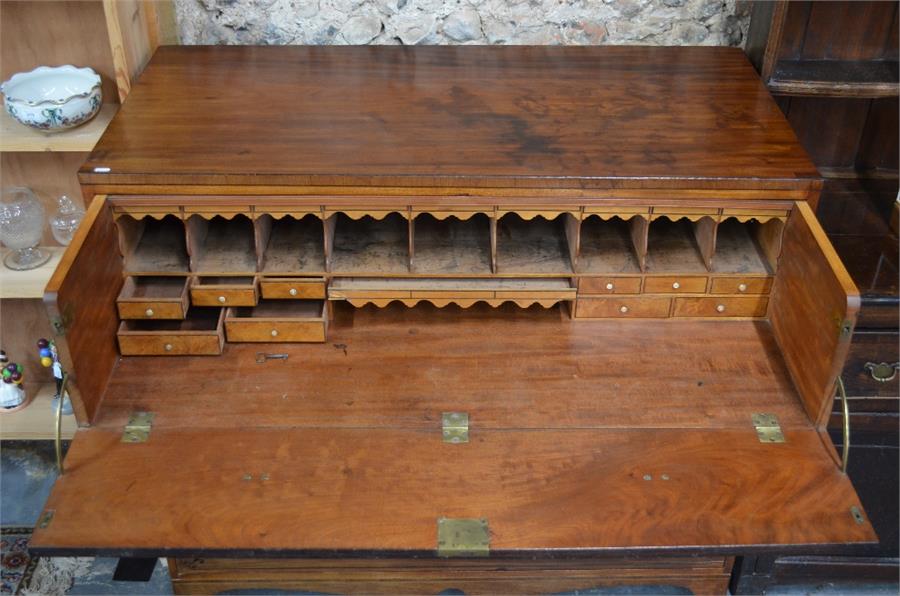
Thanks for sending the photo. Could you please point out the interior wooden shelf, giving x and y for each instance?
(536, 246)
(220, 245)
(153, 245)
(854, 78)
(368, 245)
(31, 283)
(295, 246)
(607, 247)
(672, 248)
(737, 251)
(37, 421)
(18, 137)
(450, 284)
(452, 246)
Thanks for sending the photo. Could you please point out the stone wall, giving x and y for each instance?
(577, 22)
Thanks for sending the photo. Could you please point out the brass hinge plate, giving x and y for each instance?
(463, 537)
(46, 518)
(138, 428)
(767, 428)
(455, 427)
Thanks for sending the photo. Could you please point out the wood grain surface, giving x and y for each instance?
(813, 311)
(251, 490)
(508, 367)
(532, 117)
(82, 295)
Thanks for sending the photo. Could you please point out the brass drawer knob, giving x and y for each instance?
(676, 285)
(292, 291)
(609, 286)
(882, 372)
(221, 299)
(274, 332)
(720, 308)
(742, 288)
(167, 347)
(623, 309)
(149, 312)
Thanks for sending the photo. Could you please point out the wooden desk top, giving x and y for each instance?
(462, 117)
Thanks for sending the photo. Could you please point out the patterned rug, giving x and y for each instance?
(16, 566)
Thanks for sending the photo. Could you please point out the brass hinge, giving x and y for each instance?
(767, 428)
(138, 428)
(455, 427)
(46, 518)
(61, 322)
(463, 537)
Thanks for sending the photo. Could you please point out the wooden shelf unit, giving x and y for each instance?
(37, 421)
(18, 137)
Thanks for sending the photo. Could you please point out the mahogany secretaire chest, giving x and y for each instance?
(488, 318)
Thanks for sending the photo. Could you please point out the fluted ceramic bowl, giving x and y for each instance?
(53, 98)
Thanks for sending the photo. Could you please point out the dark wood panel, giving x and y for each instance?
(812, 311)
(815, 120)
(871, 347)
(414, 363)
(532, 117)
(82, 295)
(701, 575)
(247, 490)
(850, 31)
(878, 146)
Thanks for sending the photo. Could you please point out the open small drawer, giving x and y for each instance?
(153, 297)
(278, 321)
(224, 291)
(293, 288)
(198, 334)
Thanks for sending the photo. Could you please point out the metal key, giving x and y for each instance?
(261, 357)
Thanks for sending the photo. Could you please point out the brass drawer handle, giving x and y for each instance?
(882, 372)
(845, 408)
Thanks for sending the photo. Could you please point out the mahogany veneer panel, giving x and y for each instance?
(507, 367)
(249, 490)
(570, 117)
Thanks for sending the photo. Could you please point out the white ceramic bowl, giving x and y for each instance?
(53, 98)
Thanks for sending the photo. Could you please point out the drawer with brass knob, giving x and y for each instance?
(153, 297)
(224, 291)
(732, 306)
(200, 333)
(741, 285)
(624, 307)
(278, 321)
(292, 288)
(609, 285)
(687, 284)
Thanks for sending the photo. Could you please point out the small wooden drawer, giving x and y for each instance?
(630, 307)
(609, 285)
(153, 298)
(734, 306)
(675, 284)
(278, 321)
(224, 291)
(741, 285)
(199, 334)
(293, 288)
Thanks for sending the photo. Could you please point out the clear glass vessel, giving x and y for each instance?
(21, 228)
(64, 223)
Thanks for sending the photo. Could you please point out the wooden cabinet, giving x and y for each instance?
(457, 364)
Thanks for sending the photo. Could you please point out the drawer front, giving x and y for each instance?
(170, 345)
(622, 307)
(741, 285)
(609, 285)
(151, 310)
(275, 331)
(750, 306)
(680, 284)
(288, 289)
(201, 296)
(872, 356)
